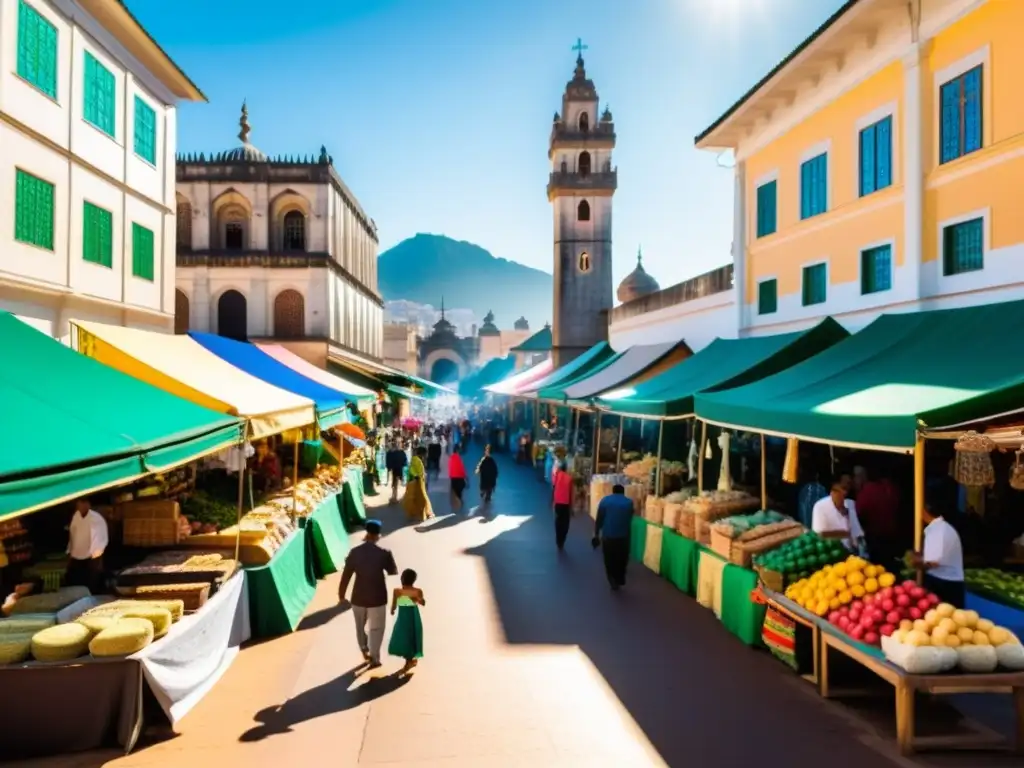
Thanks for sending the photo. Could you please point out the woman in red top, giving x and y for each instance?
(561, 497)
(457, 473)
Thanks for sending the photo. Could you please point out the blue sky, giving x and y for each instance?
(437, 112)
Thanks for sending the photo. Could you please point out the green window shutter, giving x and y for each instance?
(142, 252)
(876, 269)
(963, 247)
(37, 50)
(815, 285)
(767, 297)
(99, 102)
(33, 210)
(766, 209)
(145, 131)
(97, 235)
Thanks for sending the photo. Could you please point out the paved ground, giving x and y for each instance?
(530, 661)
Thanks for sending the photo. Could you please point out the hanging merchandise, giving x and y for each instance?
(724, 476)
(691, 458)
(234, 458)
(791, 465)
(1017, 472)
(973, 460)
(707, 451)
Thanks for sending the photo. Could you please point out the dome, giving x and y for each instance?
(637, 283)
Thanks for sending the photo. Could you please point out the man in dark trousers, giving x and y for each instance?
(611, 532)
(370, 563)
(488, 471)
(395, 461)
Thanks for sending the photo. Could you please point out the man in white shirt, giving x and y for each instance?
(835, 517)
(87, 541)
(942, 560)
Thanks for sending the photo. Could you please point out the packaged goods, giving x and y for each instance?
(15, 648)
(29, 622)
(96, 624)
(124, 637)
(62, 642)
(50, 602)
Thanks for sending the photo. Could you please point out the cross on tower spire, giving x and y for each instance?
(580, 48)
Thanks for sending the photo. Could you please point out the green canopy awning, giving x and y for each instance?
(493, 371)
(723, 364)
(556, 392)
(73, 425)
(538, 342)
(574, 370)
(929, 369)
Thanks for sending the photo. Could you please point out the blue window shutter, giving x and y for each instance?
(950, 140)
(867, 161)
(883, 153)
(972, 110)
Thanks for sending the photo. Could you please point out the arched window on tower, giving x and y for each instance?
(565, 167)
(584, 122)
(583, 211)
(294, 231)
(584, 164)
(584, 264)
(184, 222)
(289, 315)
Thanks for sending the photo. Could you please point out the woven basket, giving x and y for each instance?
(743, 552)
(654, 510)
(670, 514)
(721, 544)
(773, 580)
(702, 528)
(686, 523)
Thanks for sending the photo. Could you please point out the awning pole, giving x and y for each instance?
(657, 474)
(597, 445)
(618, 451)
(241, 492)
(764, 477)
(919, 498)
(700, 456)
(575, 429)
(295, 476)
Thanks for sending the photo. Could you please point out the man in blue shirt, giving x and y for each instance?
(611, 531)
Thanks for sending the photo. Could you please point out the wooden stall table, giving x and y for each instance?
(907, 685)
(805, 619)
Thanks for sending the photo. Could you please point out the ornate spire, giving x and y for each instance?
(640, 257)
(442, 307)
(243, 124)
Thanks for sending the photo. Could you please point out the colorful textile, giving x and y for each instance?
(652, 547)
(407, 636)
(679, 559)
(779, 634)
(637, 539)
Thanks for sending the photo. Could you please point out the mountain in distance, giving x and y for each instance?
(425, 268)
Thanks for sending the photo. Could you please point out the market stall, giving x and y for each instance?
(512, 385)
(634, 362)
(365, 397)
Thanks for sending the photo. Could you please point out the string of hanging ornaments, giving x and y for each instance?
(973, 466)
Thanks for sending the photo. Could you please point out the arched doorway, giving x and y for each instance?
(444, 371)
(181, 309)
(289, 315)
(232, 316)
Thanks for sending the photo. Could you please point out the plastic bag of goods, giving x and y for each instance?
(1010, 654)
(654, 510)
(670, 514)
(652, 549)
(913, 652)
(977, 659)
(638, 494)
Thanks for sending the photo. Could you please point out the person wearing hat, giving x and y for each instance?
(370, 564)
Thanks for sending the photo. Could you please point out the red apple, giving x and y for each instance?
(903, 601)
(917, 593)
(871, 638)
(886, 630)
(857, 633)
(844, 609)
(868, 599)
(892, 617)
(854, 616)
(915, 613)
(833, 618)
(885, 594)
(888, 605)
(909, 584)
(923, 605)
(867, 621)
(933, 599)
(844, 623)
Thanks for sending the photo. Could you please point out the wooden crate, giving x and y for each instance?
(721, 544)
(150, 523)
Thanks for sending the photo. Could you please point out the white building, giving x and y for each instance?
(87, 144)
(277, 248)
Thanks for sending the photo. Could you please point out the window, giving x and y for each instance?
(98, 100)
(814, 186)
(963, 247)
(145, 131)
(184, 221)
(289, 315)
(876, 157)
(766, 208)
(583, 211)
(142, 252)
(767, 296)
(233, 236)
(584, 122)
(584, 263)
(876, 269)
(584, 166)
(815, 284)
(33, 210)
(37, 50)
(97, 235)
(961, 118)
(294, 231)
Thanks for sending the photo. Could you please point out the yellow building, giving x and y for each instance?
(880, 166)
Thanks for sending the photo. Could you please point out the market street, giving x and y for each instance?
(530, 661)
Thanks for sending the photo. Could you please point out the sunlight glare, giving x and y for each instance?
(730, 15)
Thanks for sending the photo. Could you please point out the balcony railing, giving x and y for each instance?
(568, 180)
(699, 287)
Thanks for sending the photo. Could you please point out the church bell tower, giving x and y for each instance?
(580, 190)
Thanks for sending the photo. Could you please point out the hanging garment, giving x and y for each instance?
(724, 475)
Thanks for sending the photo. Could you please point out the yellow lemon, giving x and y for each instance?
(839, 570)
(845, 597)
(871, 586)
(886, 580)
(871, 571)
(821, 608)
(855, 578)
(858, 590)
(839, 585)
(828, 593)
(834, 603)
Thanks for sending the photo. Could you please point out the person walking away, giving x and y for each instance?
(488, 471)
(942, 560)
(407, 636)
(561, 499)
(457, 478)
(416, 502)
(611, 532)
(434, 452)
(88, 538)
(391, 463)
(370, 564)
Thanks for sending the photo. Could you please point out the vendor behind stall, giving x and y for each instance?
(942, 560)
(266, 470)
(835, 517)
(87, 541)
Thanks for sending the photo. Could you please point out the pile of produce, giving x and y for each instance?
(1002, 586)
(800, 557)
(945, 638)
(672, 468)
(715, 504)
(881, 613)
(735, 526)
(838, 585)
(641, 469)
(206, 513)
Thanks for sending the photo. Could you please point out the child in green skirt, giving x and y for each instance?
(407, 636)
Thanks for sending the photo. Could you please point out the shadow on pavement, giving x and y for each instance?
(327, 699)
(322, 616)
(441, 523)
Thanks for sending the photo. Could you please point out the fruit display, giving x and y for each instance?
(1001, 586)
(838, 585)
(882, 612)
(799, 558)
